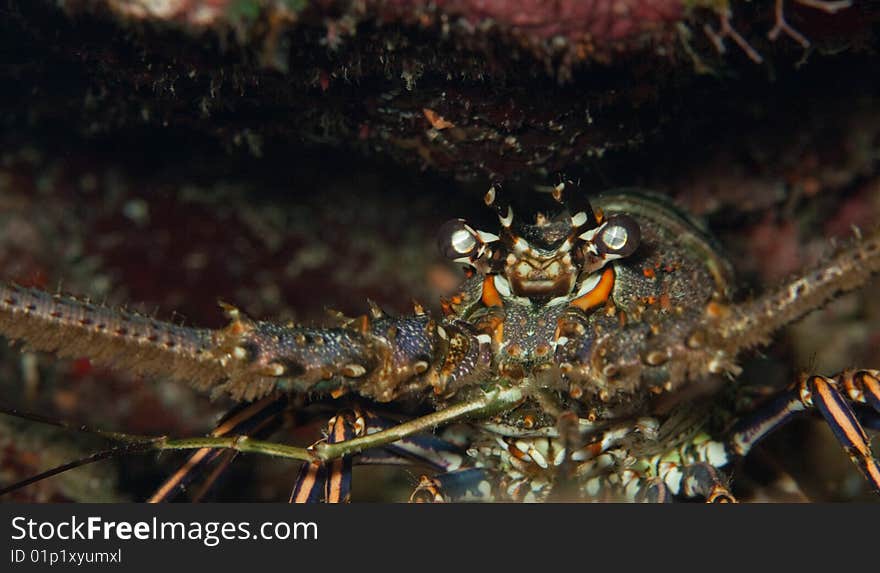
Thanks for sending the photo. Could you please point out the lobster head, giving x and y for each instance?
(550, 258)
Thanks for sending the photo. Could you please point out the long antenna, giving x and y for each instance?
(96, 457)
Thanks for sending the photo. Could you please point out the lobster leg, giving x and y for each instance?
(315, 479)
(862, 386)
(830, 397)
(255, 419)
(329, 482)
(310, 484)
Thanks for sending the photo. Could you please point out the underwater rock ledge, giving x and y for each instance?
(466, 88)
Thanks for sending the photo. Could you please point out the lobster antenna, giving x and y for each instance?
(116, 436)
(114, 452)
(129, 444)
(261, 414)
(750, 324)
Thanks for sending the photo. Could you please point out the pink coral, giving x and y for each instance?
(601, 20)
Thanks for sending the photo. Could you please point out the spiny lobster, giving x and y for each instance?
(586, 355)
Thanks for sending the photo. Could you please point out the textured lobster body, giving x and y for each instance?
(585, 354)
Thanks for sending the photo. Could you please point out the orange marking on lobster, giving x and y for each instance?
(873, 470)
(490, 293)
(493, 326)
(333, 488)
(871, 384)
(309, 482)
(599, 294)
(854, 434)
(515, 452)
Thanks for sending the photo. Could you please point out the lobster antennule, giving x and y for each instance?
(580, 211)
(495, 199)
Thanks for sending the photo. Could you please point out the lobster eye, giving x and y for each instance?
(620, 236)
(456, 240)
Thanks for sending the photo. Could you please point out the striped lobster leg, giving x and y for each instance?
(315, 481)
(862, 387)
(256, 419)
(330, 482)
(831, 397)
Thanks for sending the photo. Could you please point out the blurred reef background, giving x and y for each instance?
(293, 155)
